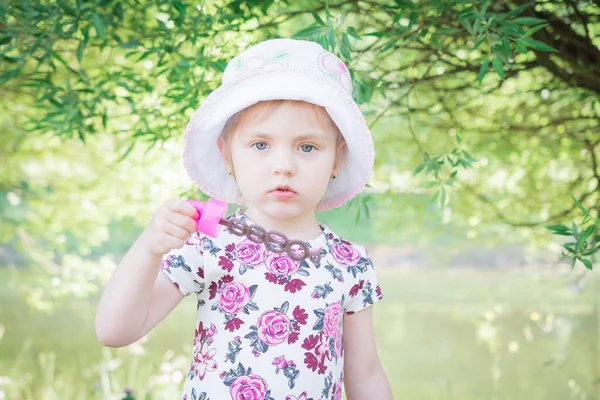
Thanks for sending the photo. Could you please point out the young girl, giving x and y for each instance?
(283, 138)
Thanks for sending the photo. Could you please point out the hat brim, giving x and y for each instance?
(206, 167)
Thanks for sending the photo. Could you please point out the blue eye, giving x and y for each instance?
(260, 145)
(307, 148)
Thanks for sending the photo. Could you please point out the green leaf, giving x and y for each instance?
(587, 263)
(377, 34)
(588, 232)
(447, 31)
(518, 10)
(429, 184)
(8, 75)
(419, 169)
(81, 50)
(528, 21)
(451, 179)
(331, 38)
(466, 23)
(352, 32)
(581, 207)
(317, 18)
(434, 198)
(98, 24)
(130, 45)
(5, 40)
(179, 7)
(66, 8)
(535, 29)
(498, 68)
(118, 11)
(479, 41)
(312, 32)
(483, 70)
(537, 45)
(521, 48)
(559, 228)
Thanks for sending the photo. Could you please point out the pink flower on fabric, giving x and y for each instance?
(280, 362)
(332, 321)
(323, 349)
(337, 390)
(250, 253)
(248, 387)
(345, 254)
(303, 396)
(282, 264)
(273, 327)
(234, 297)
(203, 360)
(339, 346)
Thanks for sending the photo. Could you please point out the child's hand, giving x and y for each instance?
(170, 227)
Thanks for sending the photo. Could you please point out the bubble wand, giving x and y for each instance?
(212, 213)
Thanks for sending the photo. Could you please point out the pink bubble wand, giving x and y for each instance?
(212, 213)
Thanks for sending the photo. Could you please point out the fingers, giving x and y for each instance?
(182, 207)
(176, 231)
(183, 221)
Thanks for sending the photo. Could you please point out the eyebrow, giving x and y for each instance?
(268, 135)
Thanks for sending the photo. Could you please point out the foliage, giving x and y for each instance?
(494, 104)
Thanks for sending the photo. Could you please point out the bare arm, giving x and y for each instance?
(364, 377)
(138, 296)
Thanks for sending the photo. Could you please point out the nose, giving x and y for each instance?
(283, 164)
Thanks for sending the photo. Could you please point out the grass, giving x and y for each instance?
(443, 334)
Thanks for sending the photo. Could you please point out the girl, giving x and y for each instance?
(282, 137)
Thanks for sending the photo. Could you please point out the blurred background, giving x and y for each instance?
(481, 217)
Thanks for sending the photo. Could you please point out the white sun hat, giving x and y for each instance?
(280, 69)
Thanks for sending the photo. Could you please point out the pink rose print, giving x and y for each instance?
(203, 361)
(339, 346)
(280, 269)
(289, 370)
(234, 297)
(345, 254)
(303, 396)
(280, 362)
(337, 390)
(333, 319)
(248, 387)
(273, 327)
(326, 343)
(250, 253)
(282, 264)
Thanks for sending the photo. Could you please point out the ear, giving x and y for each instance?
(340, 156)
(224, 150)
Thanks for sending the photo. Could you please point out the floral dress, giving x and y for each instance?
(269, 327)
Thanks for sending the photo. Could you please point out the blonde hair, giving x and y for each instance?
(255, 111)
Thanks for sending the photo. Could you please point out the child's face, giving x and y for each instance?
(293, 145)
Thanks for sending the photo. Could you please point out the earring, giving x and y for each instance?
(333, 177)
(229, 172)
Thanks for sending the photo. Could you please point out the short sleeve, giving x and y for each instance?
(365, 290)
(185, 266)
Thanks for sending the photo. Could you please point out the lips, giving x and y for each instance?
(283, 192)
(283, 188)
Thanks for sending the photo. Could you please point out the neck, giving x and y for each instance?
(302, 227)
